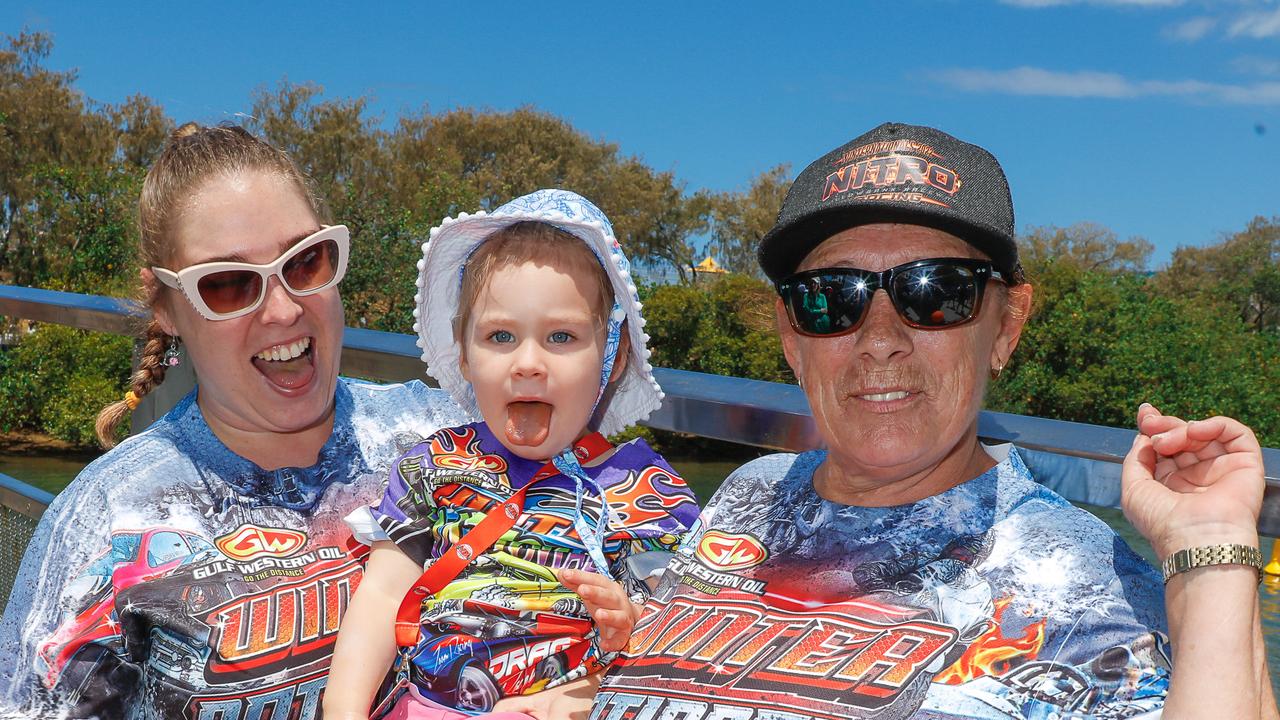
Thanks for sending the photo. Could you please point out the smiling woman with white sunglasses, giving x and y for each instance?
(200, 568)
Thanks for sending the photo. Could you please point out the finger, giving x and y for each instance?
(571, 578)
(1147, 411)
(1234, 435)
(576, 579)
(615, 629)
(596, 597)
(1152, 421)
(1138, 466)
(1136, 477)
(1175, 441)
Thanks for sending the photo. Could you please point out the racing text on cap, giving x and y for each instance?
(897, 165)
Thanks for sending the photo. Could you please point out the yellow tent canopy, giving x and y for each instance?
(709, 265)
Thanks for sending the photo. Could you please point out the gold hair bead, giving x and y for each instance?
(131, 399)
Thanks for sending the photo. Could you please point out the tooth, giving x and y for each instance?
(295, 349)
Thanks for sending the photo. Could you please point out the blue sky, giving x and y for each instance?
(1156, 118)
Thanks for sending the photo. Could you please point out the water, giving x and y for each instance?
(53, 474)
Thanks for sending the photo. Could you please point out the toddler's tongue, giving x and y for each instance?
(528, 422)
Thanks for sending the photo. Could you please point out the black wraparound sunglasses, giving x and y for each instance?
(930, 294)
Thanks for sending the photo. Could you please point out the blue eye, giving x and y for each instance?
(560, 337)
(502, 336)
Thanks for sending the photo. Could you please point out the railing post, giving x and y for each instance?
(178, 381)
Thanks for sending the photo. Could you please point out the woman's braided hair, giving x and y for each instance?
(193, 155)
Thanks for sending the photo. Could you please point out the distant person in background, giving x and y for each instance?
(907, 570)
(200, 568)
(815, 305)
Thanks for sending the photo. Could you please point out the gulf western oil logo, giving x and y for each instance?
(895, 172)
(730, 551)
(251, 541)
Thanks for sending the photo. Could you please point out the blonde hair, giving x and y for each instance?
(192, 156)
(530, 241)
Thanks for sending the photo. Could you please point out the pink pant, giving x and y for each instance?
(410, 708)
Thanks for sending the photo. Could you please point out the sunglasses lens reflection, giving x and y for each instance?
(828, 304)
(231, 290)
(936, 295)
(931, 295)
(312, 268)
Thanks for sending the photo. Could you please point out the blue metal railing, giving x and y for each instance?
(20, 508)
(1077, 460)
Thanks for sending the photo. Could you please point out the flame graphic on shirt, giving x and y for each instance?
(459, 449)
(992, 653)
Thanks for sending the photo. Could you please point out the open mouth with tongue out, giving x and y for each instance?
(288, 366)
(528, 422)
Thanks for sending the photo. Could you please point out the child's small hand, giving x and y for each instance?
(571, 701)
(608, 604)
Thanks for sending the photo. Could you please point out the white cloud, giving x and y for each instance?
(1037, 81)
(1191, 30)
(1254, 65)
(1114, 3)
(1257, 25)
(1034, 81)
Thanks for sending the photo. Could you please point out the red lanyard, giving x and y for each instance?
(478, 540)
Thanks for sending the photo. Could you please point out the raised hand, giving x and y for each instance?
(1192, 483)
(608, 604)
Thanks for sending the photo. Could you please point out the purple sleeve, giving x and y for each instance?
(403, 513)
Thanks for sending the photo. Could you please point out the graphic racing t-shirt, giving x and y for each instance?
(995, 599)
(175, 579)
(505, 625)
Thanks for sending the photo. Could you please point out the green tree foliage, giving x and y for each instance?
(56, 150)
(335, 141)
(724, 326)
(84, 233)
(739, 220)
(57, 379)
(430, 166)
(1240, 275)
(1101, 343)
(1085, 246)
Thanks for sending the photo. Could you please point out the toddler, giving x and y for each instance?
(528, 316)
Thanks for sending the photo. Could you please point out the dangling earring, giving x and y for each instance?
(800, 382)
(171, 356)
(995, 372)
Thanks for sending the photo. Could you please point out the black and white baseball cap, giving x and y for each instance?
(896, 174)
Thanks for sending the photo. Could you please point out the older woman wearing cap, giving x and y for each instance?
(907, 570)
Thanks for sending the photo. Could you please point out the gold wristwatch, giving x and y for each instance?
(1229, 554)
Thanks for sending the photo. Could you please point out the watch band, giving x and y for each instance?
(1228, 554)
